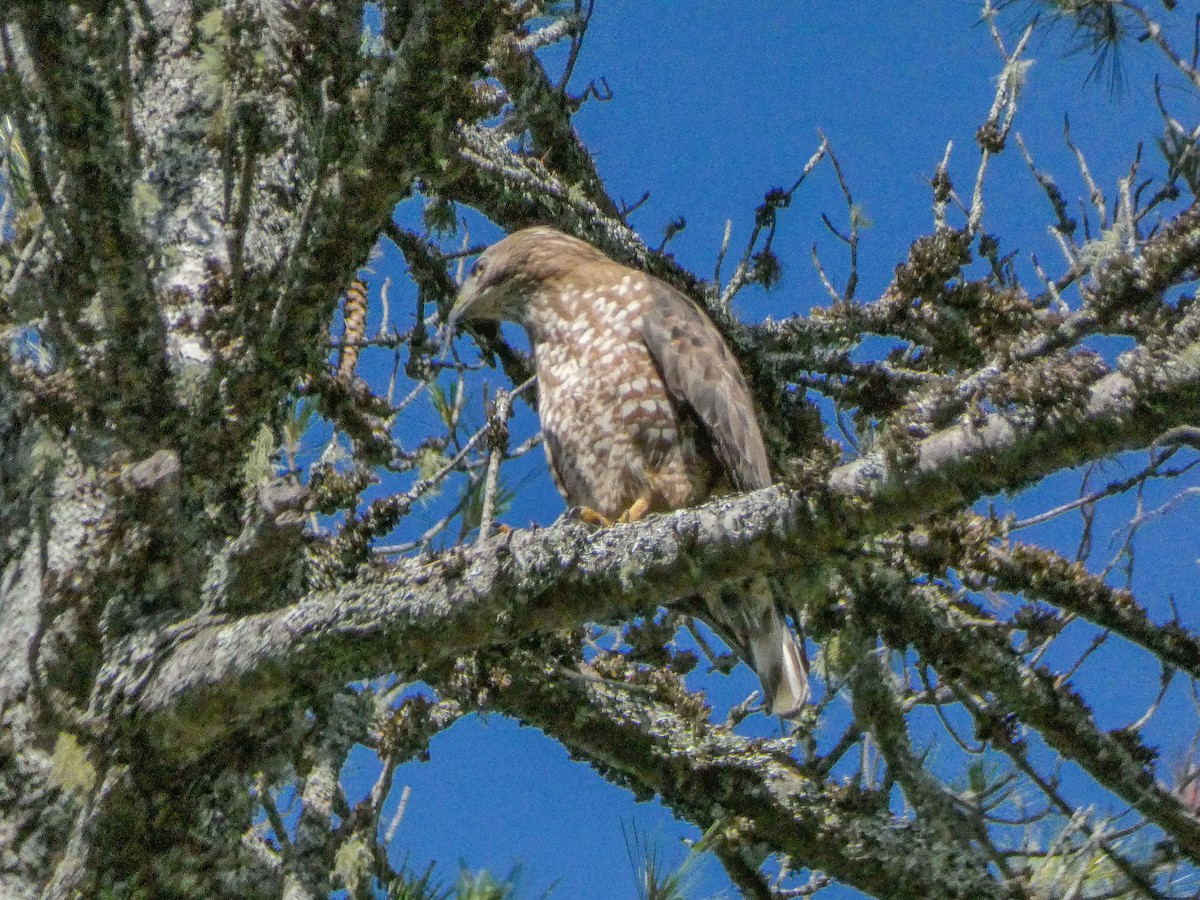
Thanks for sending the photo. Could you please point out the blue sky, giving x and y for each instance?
(715, 103)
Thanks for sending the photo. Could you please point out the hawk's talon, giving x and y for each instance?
(589, 516)
(635, 513)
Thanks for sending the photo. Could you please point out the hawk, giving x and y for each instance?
(642, 405)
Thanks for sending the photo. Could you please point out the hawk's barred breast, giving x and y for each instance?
(640, 399)
(611, 432)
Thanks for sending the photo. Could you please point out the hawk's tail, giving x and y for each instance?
(753, 625)
(778, 658)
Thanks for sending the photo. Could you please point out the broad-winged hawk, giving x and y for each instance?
(643, 407)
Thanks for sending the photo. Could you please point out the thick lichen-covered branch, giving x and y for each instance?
(209, 675)
(748, 794)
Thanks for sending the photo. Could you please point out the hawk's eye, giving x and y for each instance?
(478, 268)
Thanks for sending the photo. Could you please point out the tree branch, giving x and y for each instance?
(396, 619)
(750, 789)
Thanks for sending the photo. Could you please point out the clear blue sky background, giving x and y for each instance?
(715, 103)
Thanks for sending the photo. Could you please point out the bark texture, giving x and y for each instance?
(194, 186)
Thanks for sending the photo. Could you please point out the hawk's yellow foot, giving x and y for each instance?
(590, 517)
(638, 511)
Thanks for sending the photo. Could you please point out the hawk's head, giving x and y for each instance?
(513, 272)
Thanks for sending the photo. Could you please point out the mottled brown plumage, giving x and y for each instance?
(643, 407)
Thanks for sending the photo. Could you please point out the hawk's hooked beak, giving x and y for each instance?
(460, 312)
(477, 301)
